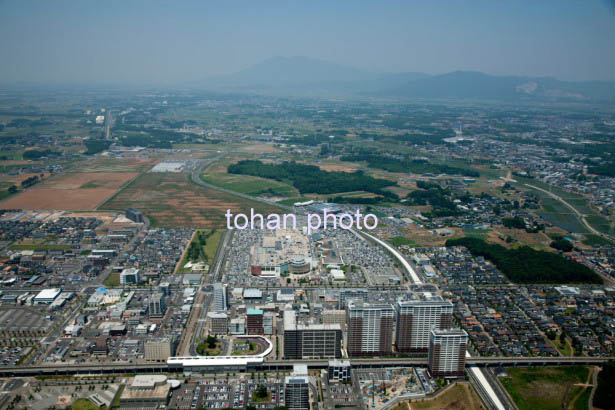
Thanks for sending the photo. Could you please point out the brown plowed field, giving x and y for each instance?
(70, 191)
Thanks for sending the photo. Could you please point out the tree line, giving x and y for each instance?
(35, 154)
(527, 265)
(311, 179)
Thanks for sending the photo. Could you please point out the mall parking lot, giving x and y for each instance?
(207, 394)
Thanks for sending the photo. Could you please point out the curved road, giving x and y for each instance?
(196, 178)
(576, 212)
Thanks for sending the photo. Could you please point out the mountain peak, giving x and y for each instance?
(300, 75)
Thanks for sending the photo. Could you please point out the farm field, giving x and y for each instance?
(560, 215)
(547, 387)
(8, 180)
(250, 185)
(402, 240)
(422, 237)
(115, 165)
(172, 200)
(595, 240)
(601, 224)
(71, 191)
(258, 148)
(536, 240)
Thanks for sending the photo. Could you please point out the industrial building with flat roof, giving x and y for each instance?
(47, 296)
(158, 350)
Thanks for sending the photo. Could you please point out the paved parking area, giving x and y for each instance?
(207, 394)
(23, 318)
(225, 394)
(9, 356)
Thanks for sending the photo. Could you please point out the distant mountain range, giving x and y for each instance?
(312, 77)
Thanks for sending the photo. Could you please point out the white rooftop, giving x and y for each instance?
(47, 294)
(252, 293)
(148, 381)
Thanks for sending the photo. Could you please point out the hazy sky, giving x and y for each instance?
(156, 42)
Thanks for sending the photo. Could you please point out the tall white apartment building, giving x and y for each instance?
(370, 328)
(447, 352)
(415, 321)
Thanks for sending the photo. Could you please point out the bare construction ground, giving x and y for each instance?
(72, 191)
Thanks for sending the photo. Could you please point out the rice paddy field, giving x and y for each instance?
(172, 200)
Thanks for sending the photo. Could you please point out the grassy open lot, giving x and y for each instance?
(113, 280)
(537, 240)
(424, 238)
(564, 348)
(84, 404)
(203, 252)
(250, 185)
(545, 387)
(459, 397)
(400, 240)
(212, 245)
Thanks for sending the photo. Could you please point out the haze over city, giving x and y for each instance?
(307, 205)
(170, 43)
